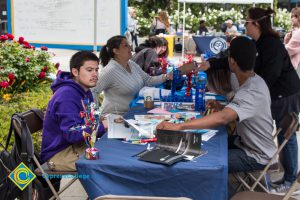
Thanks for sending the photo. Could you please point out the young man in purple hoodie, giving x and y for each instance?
(61, 147)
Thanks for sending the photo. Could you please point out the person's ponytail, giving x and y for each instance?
(104, 56)
(269, 12)
(107, 52)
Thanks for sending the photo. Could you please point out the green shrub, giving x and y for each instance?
(214, 14)
(38, 97)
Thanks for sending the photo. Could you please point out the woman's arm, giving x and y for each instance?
(105, 79)
(293, 46)
(147, 79)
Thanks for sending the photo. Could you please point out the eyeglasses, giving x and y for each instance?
(296, 16)
(249, 21)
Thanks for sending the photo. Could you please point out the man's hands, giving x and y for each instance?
(168, 126)
(104, 122)
(203, 66)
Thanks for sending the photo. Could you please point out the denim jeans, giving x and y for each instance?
(289, 158)
(134, 39)
(238, 160)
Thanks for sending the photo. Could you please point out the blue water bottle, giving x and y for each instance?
(200, 92)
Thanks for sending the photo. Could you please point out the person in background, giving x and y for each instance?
(202, 28)
(132, 26)
(274, 66)
(231, 29)
(149, 44)
(121, 79)
(292, 39)
(252, 147)
(161, 23)
(60, 146)
(147, 58)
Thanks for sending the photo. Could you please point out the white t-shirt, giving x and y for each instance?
(232, 30)
(252, 103)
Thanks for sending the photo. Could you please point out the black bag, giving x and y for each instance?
(8, 162)
(153, 29)
(22, 151)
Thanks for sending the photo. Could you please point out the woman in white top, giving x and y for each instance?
(121, 79)
(161, 23)
(292, 39)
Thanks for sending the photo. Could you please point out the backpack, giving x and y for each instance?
(8, 162)
(22, 151)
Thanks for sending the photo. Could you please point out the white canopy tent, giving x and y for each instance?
(214, 1)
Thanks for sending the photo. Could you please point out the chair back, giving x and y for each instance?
(34, 119)
(289, 125)
(24, 125)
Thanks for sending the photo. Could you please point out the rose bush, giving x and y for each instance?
(22, 66)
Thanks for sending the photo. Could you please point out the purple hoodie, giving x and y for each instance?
(63, 113)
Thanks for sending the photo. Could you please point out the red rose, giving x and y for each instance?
(27, 59)
(45, 69)
(26, 45)
(4, 84)
(57, 65)
(11, 76)
(44, 48)
(21, 40)
(10, 36)
(42, 75)
(33, 47)
(11, 82)
(58, 72)
(3, 38)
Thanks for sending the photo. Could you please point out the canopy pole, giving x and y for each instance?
(95, 26)
(178, 16)
(272, 7)
(183, 30)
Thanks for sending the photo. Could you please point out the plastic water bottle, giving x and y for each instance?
(200, 92)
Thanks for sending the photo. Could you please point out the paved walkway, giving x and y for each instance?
(76, 191)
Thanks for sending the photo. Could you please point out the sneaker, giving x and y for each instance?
(277, 183)
(282, 189)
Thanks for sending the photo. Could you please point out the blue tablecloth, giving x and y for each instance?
(118, 172)
(211, 45)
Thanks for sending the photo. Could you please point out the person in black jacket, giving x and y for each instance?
(147, 58)
(274, 66)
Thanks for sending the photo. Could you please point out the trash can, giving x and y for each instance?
(170, 39)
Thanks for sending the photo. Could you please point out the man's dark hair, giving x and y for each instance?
(78, 59)
(243, 51)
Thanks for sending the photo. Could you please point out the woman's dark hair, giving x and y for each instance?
(164, 43)
(218, 79)
(263, 18)
(152, 42)
(106, 52)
